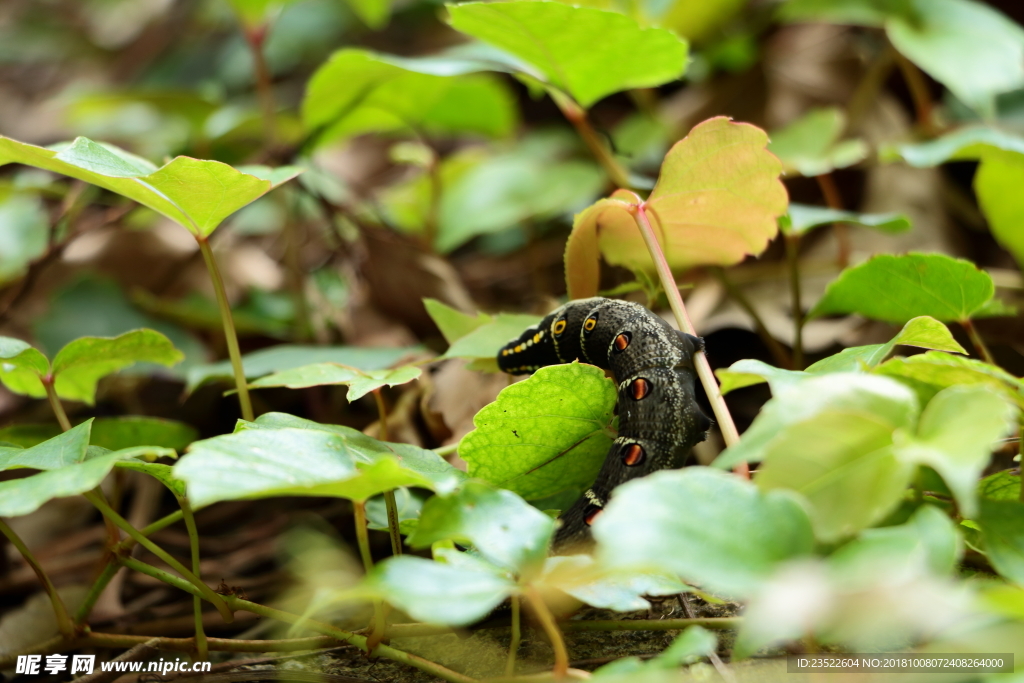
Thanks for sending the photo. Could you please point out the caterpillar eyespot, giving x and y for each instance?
(631, 342)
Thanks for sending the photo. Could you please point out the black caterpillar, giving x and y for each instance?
(659, 420)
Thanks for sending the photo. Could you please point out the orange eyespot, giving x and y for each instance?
(590, 324)
(591, 513)
(622, 341)
(633, 454)
(639, 388)
(559, 327)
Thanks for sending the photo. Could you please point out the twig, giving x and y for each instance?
(547, 621)
(778, 352)
(197, 602)
(834, 200)
(135, 654)
(977, 341)
(363, 540)
(577, 116)
(64, 623)
(918, 93)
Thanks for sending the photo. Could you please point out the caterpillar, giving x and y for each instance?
(652, 364)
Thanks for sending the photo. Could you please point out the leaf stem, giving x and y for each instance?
(202, 647)
(793, 260)
(829, 190)
(918, 93)
(382, 415)
(230, 336)
(979, 344)
(121, 522)
(64, 623)
(577, 116)
(447, 450)
(363, 540)
(547, 621)
(513, 646)
(396, 535)
(255, 37)
(782, 358)
(700, 360)
(58, 408)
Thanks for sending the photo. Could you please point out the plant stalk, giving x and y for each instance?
(577, 116)
(393, 529)
(979, 344)
(202, 647)
(547, 622)
(513, 646)
(777, 350)
(830, 192)
(255, 37)
(918, 93)
(230, 336)
(120, 521)
(60, 611)
(793, 260)
(363, 539)
(58, 407)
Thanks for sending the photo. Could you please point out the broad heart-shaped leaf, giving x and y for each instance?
(709, 527)
(810, 145)
(82, 363)
(586, 53)
(196, 194)
(887, 401)
(358, 91)
(438, 593)
(288, 356)
(64, 449)
(923, 332)
(23, 234)
(929, 373)
(584, 579)
(955, 436)
(897, 288)
(454, 324)
(803, 218)
(24, 496)
(21, 366)
(716, 201)
(263, 460)
(545, 435)
(503, 528)
(1002, 527)
(360, 382)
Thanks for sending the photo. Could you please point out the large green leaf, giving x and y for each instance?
(1002, 527)
(717, 200)
(898, 288)
(360, 382)
(709, 527)
(545, 435)
(196, 194)
(23, 234)
(586, 53)
(929, 373)
(287, 357)
(811, 145)
(357, 91)
(503, 527)
(955, 437)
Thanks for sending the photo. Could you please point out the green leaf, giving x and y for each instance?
(289, 356)
(811, 146)
(438, 593)
(955, 436)
(67, 448)
(1000, 486)
(546, 434)
(996, 183)
(586, 53)
(888, 401)
(117, 433)
(928, 373)
(1002, 527)
(748, 372)
(409, 503)
(709, 527)
(82, 363)
(487, 339)
(257, 13)
(360, 382)
(373, 13)
(717, 200)
(803, 218)
(196, 194)
(935, 285)
(24, 496)
(23, 234)
(502, 527)
(582, 578)
(21, 366)
(162, 473)
(454, 324)
(358, 91)
(974, 142)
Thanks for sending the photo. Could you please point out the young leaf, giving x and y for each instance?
(546, 434)
(82, 363)
(503, 528)
(935, 285)
(360, 382)
(485, 341)
(586, 53)
(803, 218)
(1002, 527)
(21, 366)
(196, 194)
(929, 373)
(955, 437)
(289, 356)
(454, 324)
(810, 145)
(709, 527)
(717, 200)
(64, 449)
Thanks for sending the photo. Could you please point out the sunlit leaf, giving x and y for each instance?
(929, 373)
(935, 285)
(586, 53)
(1002, 526)
(811, 145)
(544, 435)
(454, 324)
(21, 366)
(67, 448)
(487, 339)
(803, 218)
(716, 201)
(360, 382)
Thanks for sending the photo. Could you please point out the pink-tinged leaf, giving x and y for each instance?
(716, 202)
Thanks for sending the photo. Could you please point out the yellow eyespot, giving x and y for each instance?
(536, 338)
(590, 324)
(559, 327)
